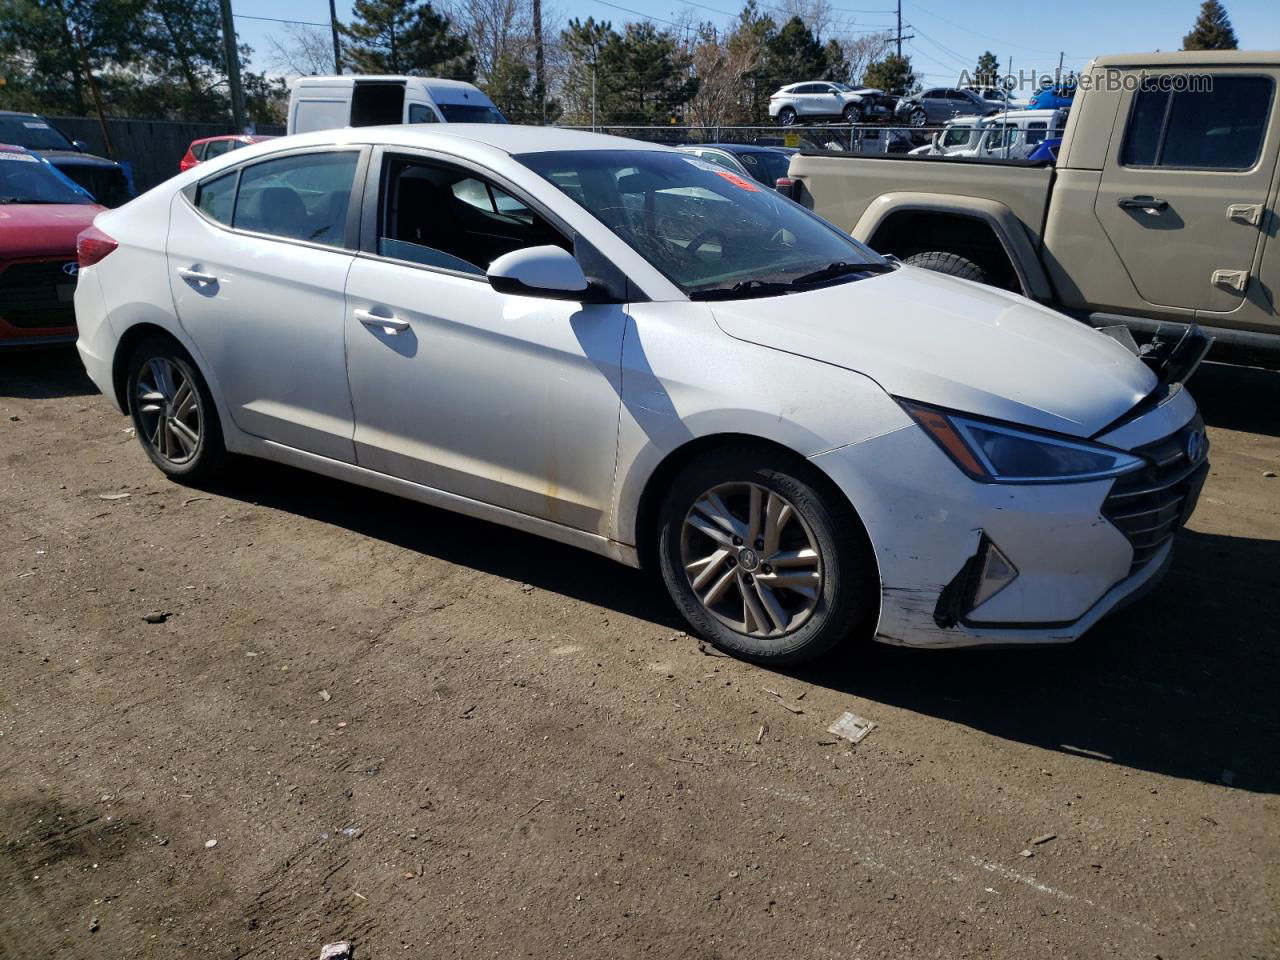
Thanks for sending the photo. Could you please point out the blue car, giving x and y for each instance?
(1046, 151)
(1053, 98)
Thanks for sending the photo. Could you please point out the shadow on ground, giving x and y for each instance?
(1239, 398)
(42, 373)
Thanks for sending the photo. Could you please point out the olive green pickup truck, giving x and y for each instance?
(1160, 209)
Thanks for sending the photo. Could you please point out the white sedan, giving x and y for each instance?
(625, 348)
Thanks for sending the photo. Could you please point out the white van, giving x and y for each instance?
(1011, 135)
(323, 103)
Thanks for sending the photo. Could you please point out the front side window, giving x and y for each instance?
(1220, 127)
(934, 95)
(956, 136)
(442, 216)
(421, 113)
(1036, 131)
(217, 197)
(707, 229)
(303, 197)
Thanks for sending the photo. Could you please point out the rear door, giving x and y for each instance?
(258, 260)
(1184, 193)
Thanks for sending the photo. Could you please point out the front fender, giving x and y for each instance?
(995, 215)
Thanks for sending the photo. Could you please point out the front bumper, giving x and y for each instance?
(927, 521)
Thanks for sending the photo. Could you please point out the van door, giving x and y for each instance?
(1184, 191)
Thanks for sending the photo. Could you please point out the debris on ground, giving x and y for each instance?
(114, 496)
(1043, 838)
(760, 735)
(325, 696)
(1268, 473)
(851, 726)
(210, 844)
(1027, 853)
(786, 706)
(336, 951)
(708, 650)
(155, 616)
(190, 500)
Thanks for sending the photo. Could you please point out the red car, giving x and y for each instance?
(207, 148)
(41, 213)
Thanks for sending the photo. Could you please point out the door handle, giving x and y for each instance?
(385, 324)
(1149, 204)
(195, 276)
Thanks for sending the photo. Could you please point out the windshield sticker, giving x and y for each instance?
(35, 125)
(20, 157)
(740, 182)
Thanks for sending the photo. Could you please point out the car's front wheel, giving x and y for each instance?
(917, 117)
(764, 556)
(786, 116)
(853, 113)
(173, 412)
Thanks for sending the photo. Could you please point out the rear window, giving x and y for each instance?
(35, 133)
(1219, 128)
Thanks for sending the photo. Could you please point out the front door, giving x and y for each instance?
(1183, 196)
(258, 261)
(508, 400)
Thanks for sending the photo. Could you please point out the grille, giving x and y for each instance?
(37, 295)
(1149, 506)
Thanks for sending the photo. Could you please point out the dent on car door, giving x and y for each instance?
(258, 258)
(508, 400)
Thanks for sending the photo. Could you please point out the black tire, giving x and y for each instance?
(849, 591)
(917, 117)
(786, 116)
(952, 264)
(205, 458)
(853, 113)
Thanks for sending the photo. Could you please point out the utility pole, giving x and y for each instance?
(899, 29)
(539, 61)
(337, 46)
(233, 66)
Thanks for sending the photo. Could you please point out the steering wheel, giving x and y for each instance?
(706, 236)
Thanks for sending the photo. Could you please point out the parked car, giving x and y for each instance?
(1054, 97)
(41, 213)
(1000, 98)
(325, 103)
(1161, 210)
(108, 182)
(1046, 151)
(1009, 135)
(598, 341)
(765, 164)
(206, 148)
(829, 100)
(937, 105)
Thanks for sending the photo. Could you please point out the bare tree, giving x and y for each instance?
(721, 63)
(864, 50)
(497, 29)
(305, 51)
(818, 15)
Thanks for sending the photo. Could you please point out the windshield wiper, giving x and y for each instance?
(839, 269)
(742, 290)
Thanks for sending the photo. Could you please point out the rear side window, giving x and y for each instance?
(216, 197)
(197, 150)
(1218, 128)
(303, 197)
(421, 113)
(216, 148)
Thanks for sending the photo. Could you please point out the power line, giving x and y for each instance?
(307, 23)
(984, 36)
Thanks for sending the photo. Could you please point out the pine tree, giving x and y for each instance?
(1212, 30)
(988, 70)
(893, 75)
(406, 37)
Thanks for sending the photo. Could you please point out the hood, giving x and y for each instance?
(30, 230)
(73, 158)
(953, 343)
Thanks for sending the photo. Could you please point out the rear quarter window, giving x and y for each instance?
(216, 198)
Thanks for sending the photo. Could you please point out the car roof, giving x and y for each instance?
(508, 138)
(17, 113)
(1185, 58)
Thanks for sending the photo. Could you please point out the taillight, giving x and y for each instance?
(92, 245)
(787, 187)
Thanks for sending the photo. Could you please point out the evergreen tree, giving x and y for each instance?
(988, 70)
(794, 54)
(406, 37)
(1212, 30)
(893, 75)
(512, 86)
(648, 73)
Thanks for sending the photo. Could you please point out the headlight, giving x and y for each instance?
(994, 452)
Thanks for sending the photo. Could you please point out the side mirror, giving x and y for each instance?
(549, 272)
(80, 145)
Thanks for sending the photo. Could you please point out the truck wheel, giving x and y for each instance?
(786, 116)
(952, 264)
(853, 113)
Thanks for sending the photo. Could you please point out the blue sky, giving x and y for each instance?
(948, 37)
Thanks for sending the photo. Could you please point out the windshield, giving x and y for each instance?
(842, 86)
(33, 133)
(469, 113)
(704, 227)
(765, 165)
(27, 179)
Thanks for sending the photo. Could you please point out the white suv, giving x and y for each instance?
(828, 100)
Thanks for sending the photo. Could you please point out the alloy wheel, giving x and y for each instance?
(918, 118)
(169, 410)
(751, 560)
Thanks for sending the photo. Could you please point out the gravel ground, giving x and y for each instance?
(439, 738)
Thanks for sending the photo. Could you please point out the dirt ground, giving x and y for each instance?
(438, 738)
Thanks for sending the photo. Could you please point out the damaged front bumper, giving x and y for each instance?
(966, 564)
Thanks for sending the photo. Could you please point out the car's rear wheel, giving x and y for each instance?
(764, 557)
(917, 117)
(952, 264)
(173, 412)
(786, 116)
(853, 113)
